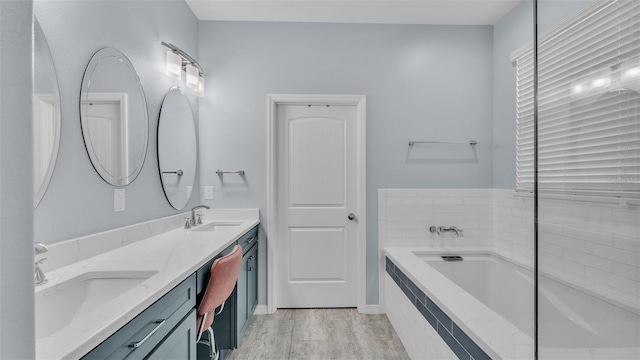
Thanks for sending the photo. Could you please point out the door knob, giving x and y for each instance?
(351, 216)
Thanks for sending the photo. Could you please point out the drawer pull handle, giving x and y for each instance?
(137, 344)
(249, 240)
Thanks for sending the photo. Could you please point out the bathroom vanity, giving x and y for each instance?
(139, 299)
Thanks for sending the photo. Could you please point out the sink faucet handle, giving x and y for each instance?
(187, 224)
(199, 222)
(40, 248)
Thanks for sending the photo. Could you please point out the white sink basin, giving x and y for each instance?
(58, 305)
(216, 225)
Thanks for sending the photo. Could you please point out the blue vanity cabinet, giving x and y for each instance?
(247, 290)
(164, 322)
(180, 343)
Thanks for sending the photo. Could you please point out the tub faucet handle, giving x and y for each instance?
(39, 277)
(40, 248)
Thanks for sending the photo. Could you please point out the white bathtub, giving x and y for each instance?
(491, 298)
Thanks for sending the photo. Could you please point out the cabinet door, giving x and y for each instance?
(152, 325)
(248, 282)
(180, 343)
(241, 314)
(252, 282)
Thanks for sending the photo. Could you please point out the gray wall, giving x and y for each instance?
(78, 201)
(17, 333)
(422, 83)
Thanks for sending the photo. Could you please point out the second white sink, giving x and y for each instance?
(57, 306)
(216, 225)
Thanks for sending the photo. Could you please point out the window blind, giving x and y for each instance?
(588, 104)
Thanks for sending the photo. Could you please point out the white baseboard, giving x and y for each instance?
(371, 309)
(261, 310)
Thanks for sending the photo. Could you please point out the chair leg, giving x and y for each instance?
(215, 353)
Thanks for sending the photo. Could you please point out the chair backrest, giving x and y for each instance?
(222, 280)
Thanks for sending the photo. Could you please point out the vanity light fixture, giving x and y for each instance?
(192, 77)
(174, 64)
(200, 90)
(178, 61)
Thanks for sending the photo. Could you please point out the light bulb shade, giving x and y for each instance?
(200, 90)
(174, 64)
(192, 77)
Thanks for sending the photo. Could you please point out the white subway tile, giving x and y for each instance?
(391, 200)
(589, 260)
(618, 255)
(417, 217)
(591, 236)
(400, 209)
(631, 216)
(617, 282)
(627, 271)
(550, 248)
(563, 241)
(449, 200)
(402, 225)
(415, 233)
(627, 243)
(417, 201)
(394, 233)
(396, 217)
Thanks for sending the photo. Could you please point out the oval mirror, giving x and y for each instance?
(46, 114)
(177, 147)
(113, 112)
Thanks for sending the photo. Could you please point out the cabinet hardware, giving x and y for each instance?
(137, 344)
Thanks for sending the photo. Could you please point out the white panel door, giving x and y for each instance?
(316, 189)
(106, 140)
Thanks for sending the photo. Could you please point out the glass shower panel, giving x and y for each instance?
(513, 215)
(588, 151)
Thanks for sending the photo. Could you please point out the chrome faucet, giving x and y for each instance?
(457, 231)
(441, 229)
(39, 277)
(193, 214)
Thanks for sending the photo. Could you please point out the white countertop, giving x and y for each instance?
(174, 255)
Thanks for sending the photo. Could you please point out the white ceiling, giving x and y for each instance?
(453, 12)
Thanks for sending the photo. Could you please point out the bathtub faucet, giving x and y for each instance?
(456, 231)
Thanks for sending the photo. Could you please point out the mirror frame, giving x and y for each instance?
(174, 203)
(42, 189)
(85, 90)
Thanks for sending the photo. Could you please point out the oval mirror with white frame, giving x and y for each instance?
(46, 114)
(177, 147)
(114, 118)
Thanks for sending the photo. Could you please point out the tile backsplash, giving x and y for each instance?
(405, 215)
(593, 245)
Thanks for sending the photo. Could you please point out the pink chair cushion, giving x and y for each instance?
(222, 280)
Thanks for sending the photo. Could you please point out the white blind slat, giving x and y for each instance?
(588, 107)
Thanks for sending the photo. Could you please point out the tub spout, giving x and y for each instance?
(456, 231)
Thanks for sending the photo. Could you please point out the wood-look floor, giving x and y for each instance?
(320, 334)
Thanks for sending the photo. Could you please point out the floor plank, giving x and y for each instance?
(340, 334)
